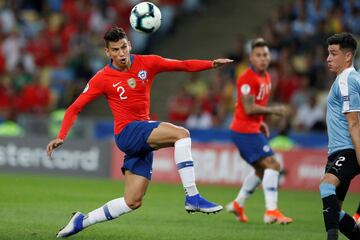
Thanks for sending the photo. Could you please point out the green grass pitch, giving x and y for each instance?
(35, 207)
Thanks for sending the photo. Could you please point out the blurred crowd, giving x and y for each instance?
(49, 49)
(297, 34)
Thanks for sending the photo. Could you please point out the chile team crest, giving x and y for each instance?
(142, 75)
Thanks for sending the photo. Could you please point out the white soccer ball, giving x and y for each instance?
(145, 17)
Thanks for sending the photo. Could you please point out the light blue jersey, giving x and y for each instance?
(344, 97)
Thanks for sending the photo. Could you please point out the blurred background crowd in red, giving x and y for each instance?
(49, 49)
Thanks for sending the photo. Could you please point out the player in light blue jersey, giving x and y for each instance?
(343, 125)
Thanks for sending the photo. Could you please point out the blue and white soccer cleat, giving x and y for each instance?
(197, 203)
(74, 226)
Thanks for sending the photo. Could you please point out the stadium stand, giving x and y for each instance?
(45, 59)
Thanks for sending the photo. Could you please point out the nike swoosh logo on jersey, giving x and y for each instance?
(114, 85)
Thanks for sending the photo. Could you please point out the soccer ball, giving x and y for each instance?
(145, 17)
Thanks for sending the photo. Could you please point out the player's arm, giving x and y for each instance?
(251, 108)
(92, 90)
(264, 128)
(354, 130)
(168, 65)
(351, 109)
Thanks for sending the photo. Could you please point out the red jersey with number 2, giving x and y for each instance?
(250, 83)
(127, 92)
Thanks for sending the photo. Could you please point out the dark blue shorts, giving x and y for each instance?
(252, 146)
(132, 140)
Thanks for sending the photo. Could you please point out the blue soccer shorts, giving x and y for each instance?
(132, 140)
(252, 146)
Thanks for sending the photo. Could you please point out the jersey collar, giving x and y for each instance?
(255, 71)
(118, 69)
(349, 69)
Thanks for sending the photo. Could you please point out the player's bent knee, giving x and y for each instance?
(271, 163)
(182, 133)
(134, 204)
(276, 166)
(330, 179)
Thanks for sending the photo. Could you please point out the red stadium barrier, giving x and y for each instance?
(221, 164)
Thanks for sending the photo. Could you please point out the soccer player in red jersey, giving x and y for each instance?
(249, 132)
(126, 84)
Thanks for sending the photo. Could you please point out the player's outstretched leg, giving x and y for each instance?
(194, 202)
(270, 186)
(111, 210)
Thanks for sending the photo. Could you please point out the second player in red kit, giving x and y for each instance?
(249, 132)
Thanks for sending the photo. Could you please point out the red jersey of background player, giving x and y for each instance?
(127, 92)
(250, 82)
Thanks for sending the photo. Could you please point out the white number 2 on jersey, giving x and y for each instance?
(121, 91)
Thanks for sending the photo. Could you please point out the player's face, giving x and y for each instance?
(260, 58)
(119, 52)
(338, 59)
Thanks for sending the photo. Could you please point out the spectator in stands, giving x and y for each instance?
(199, 119)
(20, 77)
(196, 86)
(7, 94)
(212, 104)
(287, 84)
(311, 115)
(62, 38)
(180, 106)
(169, 14)
(300, 96)
(301, 28)
(36, 97)
(316, 10)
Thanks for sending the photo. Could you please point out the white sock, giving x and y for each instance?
(112, 209)
(250, 183)
(185, 165)
(270, 186)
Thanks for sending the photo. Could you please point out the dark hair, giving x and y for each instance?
(114, 34)
(258, 42)
(345, 40)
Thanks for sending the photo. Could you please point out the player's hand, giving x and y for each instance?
(221, 61)
(264, 128)
(53, 144)
(281, 110)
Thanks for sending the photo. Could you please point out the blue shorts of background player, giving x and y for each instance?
(252, 146)
(132, 140)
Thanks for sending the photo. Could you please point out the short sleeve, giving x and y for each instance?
(350, 93)
(246, 86)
